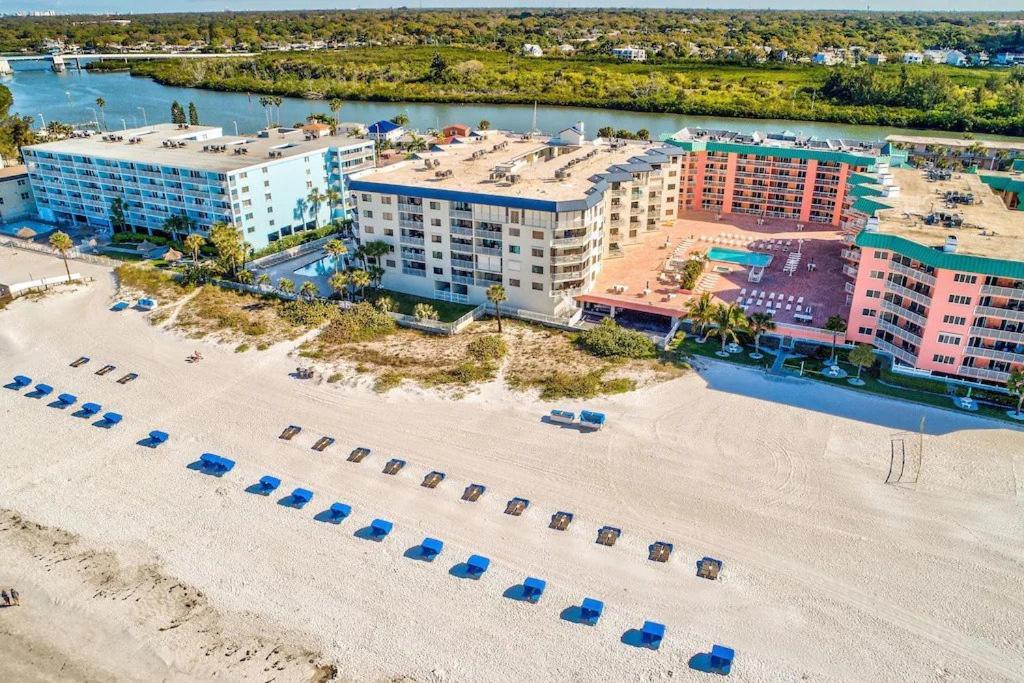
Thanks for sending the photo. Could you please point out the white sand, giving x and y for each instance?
(829, 573)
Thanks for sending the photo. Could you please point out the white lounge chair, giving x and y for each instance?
(800, 300)
(789, 307)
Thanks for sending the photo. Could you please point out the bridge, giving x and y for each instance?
(59, 62)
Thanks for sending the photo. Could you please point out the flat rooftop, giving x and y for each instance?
(781, 139)
(533, 161)
(989, 228)
(1012, 145)
(12, 171)
(149, 147)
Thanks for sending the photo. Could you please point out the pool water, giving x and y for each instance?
(14, 226)
(322, 267)
(742, 258)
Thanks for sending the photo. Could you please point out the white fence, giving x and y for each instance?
(22, 288)
(75, 254)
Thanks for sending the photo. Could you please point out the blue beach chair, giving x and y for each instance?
(591, 419)
(119, 306)
(652, 634)
(156, 437)
(300, 497)
(721, 659)
(111, 419)
(43, 389)
(267, 484)
(379, 528)
(339, 511)
(90, 409)
(215, 464)
(67, 400)
(431, 547)
(22, 381)
(476, 565)
(533, 588)
(591, 610)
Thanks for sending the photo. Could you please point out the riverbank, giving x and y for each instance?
(930, 97)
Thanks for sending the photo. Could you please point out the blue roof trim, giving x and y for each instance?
(480, 198)
(384, 126)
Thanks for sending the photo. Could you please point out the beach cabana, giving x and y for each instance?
(591, 610)
(379, 528)
(433, 479)
(476, 565)
(431, 547)
(67, 399)
(91, 409)
(659, 551)
(157, 437)
(652, 634)
(128, 378)
(516, 506)
(267, 484)
(119, 306)
(339, 511)
(473, 492)
(105, 369)
(560, 521)
(591, 420)
(358, 454)
(22, 381)
(215, 463)
(301, 496)
(607, 535)
(562, 416)
(394, 466)
(721, 659)
(111, 419)
(533, 588)
(80, 361)
(289, 432)
(708, 568)
(44, 389)
(322, 443)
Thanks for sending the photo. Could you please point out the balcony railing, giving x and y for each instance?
(406, 223)
(490, 251)
(567, 276)
(895, 351)
(914, 273)
(996, 354)
(569, 241)
(1006, 313)
(459, 213)
(850, 271)
(459, 230)
(463, 279)
(1009, 292)
(916, 297)
(414, 271)
(915, 318)
(569, 258)
(410, 239)
(984, 373)
(1001, 335)
(898, 331)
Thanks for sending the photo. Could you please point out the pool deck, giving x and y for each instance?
(641, 264)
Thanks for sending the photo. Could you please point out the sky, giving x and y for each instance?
(128, 6)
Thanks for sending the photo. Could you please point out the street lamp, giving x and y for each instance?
(124, 124)
(145, 121)
(236, 128)
(42, 121)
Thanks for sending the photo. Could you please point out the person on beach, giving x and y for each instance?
(15, 598)
(5, 598)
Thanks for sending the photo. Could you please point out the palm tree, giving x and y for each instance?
(286, 286)
(701, 311)
(63, 244)
(335, 105)
(100, 103)
(424, 312)
(359, 279)
(376, 274)
(308, 290)
(835, 324)
(314, 199)
(338, 282)
(758, 324)
(729, 321)
(385, 303)
(1015, 385)
(245, 277)
(400, 119)
(336, 249)
(496, 294)
(193, 243)
(262, 280)
(333, 198)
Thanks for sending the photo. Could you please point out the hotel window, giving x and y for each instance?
(514, 249)
(964, 277)
(388, 232)
(537, 270)
(537, 253)
(946, 360)
(385, 200)
(538, 234)
(954, 319)
(949, 339)
(367, 213)
(436, 222)
(512, 282)
(251, 229)
(877, 274)
(870, 312)
(266, 183)
(873, 294)
(364, 197)
(436, 239)
(265, 171)
(865, 331)
(309, 184)
(513, 217)
(513, 232)
(270, 209)
(245, 188)
(434, 206)
(368, 229)
(538, 286)
(390, 263)
(438, 271)
(437, 254)
(959, 299)
(386, 216)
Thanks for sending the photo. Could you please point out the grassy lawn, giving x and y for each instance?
(689, 346)
(405, 303)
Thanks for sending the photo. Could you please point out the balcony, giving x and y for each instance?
(895, 351)
(463, 279)
(995, 354)
(914, 273)
(413, 208)
(567, 276)
(984, 373)
(915, 318)
(850, 271)
(849, 287)
(569, 241)
(569, 258)
(1005, 313)
(410, 239)
(1001, 335)
(916, 297)
(850, 254)
(461, 213)
(406, 223)
(459, 230)
(487, 233)
(414, 271)
(1008, 292)
(489, 251)
(898, 331)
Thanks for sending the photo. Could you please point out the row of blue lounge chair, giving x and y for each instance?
(87, 410)
(588, 419)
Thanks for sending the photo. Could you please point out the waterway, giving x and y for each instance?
(71, 97)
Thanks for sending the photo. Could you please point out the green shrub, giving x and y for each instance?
(387, 381)
(362, 322)
(309, 314)
(297, 239)
(335, 377)
(464, 373)
(487, 348)
(242, 348)
(608, 339)
(691, 274)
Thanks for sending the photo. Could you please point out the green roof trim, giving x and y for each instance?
(869, 206)
(1005, 183)
(851, 158)
(866, 190)
(941, 259)
(861, 178)
(1017, 165)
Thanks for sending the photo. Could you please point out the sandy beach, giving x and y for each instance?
(132, 566)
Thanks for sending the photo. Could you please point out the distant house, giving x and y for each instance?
(875, 58)
(825, 58)
(531, 50)
(566, 49)
(956, 58)
(456, 130)
(573, 135)
(1009, 58)
(630, 53)
(384, 130)
(315, 129)
(979, 58)
(913, 58)
(934, 56)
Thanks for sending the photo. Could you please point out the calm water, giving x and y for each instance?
(68, 97)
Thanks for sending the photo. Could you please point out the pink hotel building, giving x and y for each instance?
(935, 260)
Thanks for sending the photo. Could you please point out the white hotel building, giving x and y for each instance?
(535, 215)
(257, 182)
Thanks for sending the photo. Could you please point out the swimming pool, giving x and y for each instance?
(742, 258)
(322, 267)
(14, 226)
